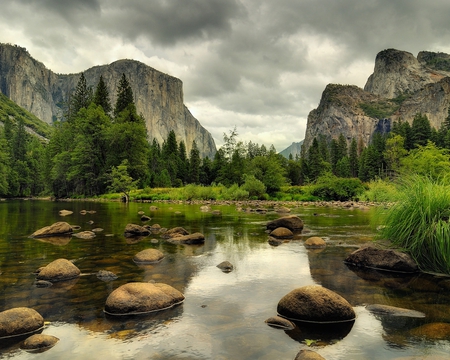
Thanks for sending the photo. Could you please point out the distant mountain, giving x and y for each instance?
(400, 87)
(295, 149)
(158, 96)
(33, 125)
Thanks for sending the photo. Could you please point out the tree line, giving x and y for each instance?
(99, 148)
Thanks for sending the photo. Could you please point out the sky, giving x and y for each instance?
(257, 65)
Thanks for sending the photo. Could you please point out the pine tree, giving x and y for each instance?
(124, 96)
(314, 161)
(101, 96)
(421, 130)
(194, 164)
(353, 158)
(80, 99)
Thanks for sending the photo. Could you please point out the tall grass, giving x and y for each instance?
(419, 222)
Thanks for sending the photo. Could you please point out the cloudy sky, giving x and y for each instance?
(259, 65)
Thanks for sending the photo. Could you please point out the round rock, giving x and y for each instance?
(19, 321)
(59, 270)
(315, 242)
(141, 298)
(280, 323)
(292, 222)
(148, 256)
(282, 233)
(58, 228)
(39, 342)
(315, 303)
(85, 235)
(226, 266)
(308, 355)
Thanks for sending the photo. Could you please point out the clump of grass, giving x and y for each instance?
(419, 223)
(380, 191)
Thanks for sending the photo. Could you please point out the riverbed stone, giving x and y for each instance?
(282, 233)
(315, 303)
(280, 323)
(308, 355)
(106, 275)
(226, 266)
(140, 298)
(384, 259)
(19, 321)
(58, 228)
(65, 212)
(148, 256)
(85, 235)
(59, 270)
(176, 232)
(432, 331)
(292, 222)
(380, 309)
(191, 239)
(39, 342)
(315, 242)
(145, 218)
(132, 230)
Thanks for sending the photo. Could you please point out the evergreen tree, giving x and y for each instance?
(206, 173)
(80, 99)
(353, 158)
(421, 130)
(314, 161)
(101, 96)
(183, 163)
(124, 96)
(194, 164)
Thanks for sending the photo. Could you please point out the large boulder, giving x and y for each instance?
(132, 230)
(19, 321)
(56, 229)
(391, 260)
(141, 298)
(148, 256)
(315, 303)
(292, 222)
(59, 270)
(39, 342)
(315, 242)
(191, 239)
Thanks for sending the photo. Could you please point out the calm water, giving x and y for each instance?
(223, 314)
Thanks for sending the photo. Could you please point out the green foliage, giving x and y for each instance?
(330, 187)
(254, 187)
(101, 96)
(120, 181)
(80, 99)
(379, 110)
(419, 222)
(421, 130)
(197, 192)
(380, 191)
(124, 96)
(234, 192)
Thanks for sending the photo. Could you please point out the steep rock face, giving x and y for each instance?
(400, 87)
(339, 112)
(158, 96)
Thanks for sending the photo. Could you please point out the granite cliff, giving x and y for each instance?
(158, 96)
(400, 87)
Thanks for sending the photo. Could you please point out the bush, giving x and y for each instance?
(419, 223)
(234, 192)
(380, 191)
(331, 188)
(256, 188)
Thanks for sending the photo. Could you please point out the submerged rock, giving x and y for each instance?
(19, 321)
(282, 233)
(292, 222)
(390, 260)
(394, 311)
(56, 229)
(280, 323)
(59, 270)
(315, 303)
(191, 239)
(148, 256)
(85, 235)
(226, 266)
(175, 232)
(106, 275)
(141, 298)
(39, 343)
(315, 242)
(132, 230)
(432, 331)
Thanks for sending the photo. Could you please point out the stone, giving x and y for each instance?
(282, 210)
(59, 270)
(85, 235)
(391, 260)
(315, 303)
(205, 208)
(148, 256)
(97, 230)
(280, 323)
(275, 242)
(216, 212)
(176, 231)
(432, 331)
(56, 240)
(142, 298)
(292, 222)
(282, 233)
(380, 309)
(106, 275)
(19, 321)
(42, 283)
(56, 229)
(132, 230)
(191, 239)
(315, 242)
(153, 208)
(145, 218)
(226, 266)
(39, 342)
(308, 355)
(65, 212)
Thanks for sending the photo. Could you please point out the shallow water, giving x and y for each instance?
(223, 314)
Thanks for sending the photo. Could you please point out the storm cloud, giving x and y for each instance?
(258, 65)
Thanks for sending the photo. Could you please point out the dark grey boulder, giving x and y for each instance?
(19, 321)
(142, 298)
(292, 222)
(390, 260)
(315, 303)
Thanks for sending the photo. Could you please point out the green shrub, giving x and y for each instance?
(254, 187)
(419, 222)
(331, 188)
(234, 192)
(380, 191)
